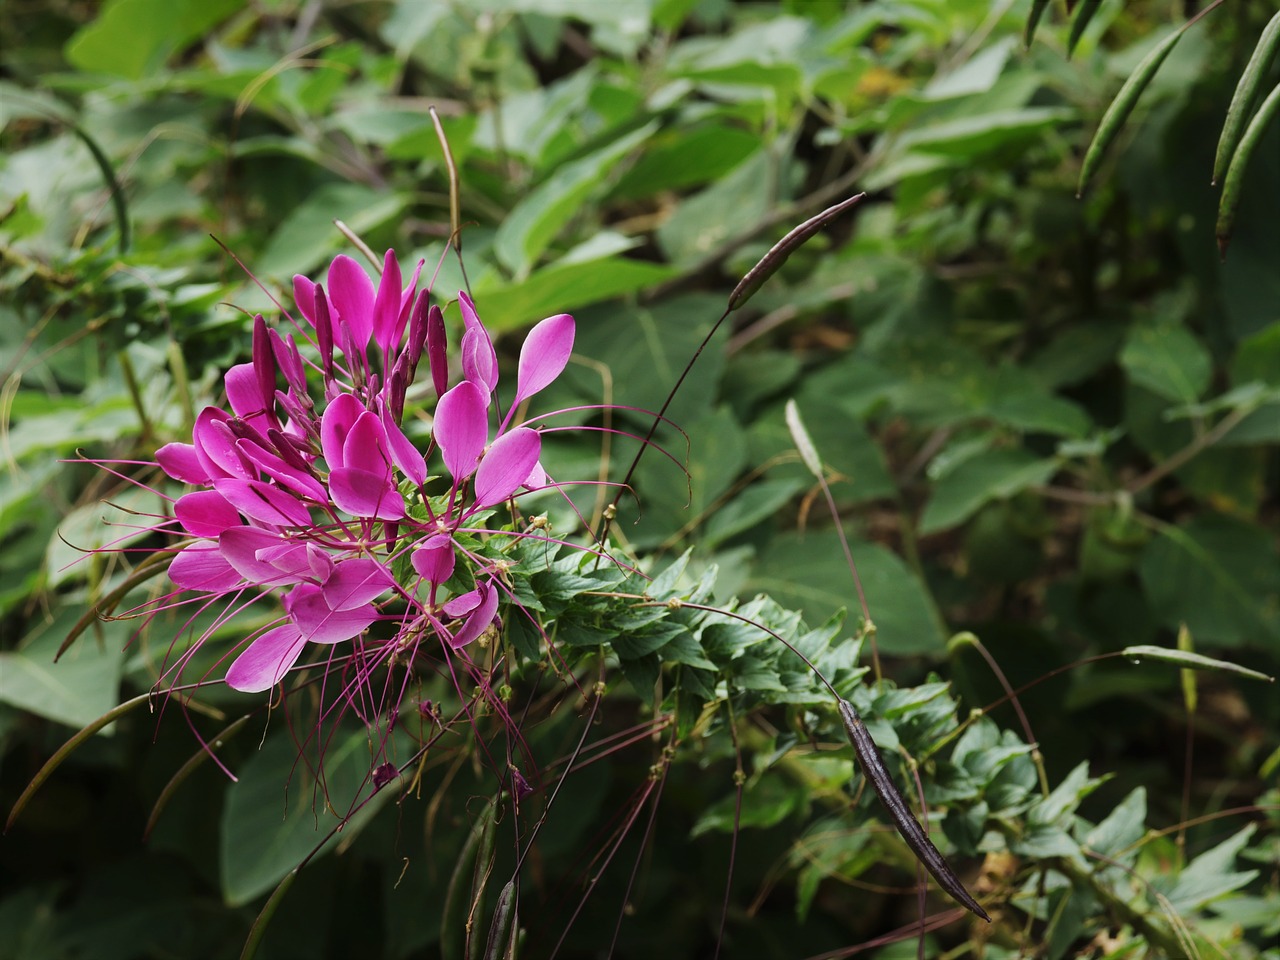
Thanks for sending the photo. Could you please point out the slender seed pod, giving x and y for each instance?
(1246, 96)
(1079, 23)
(772, 261)
(1038, 8)
(1229, 204)
(875, 770)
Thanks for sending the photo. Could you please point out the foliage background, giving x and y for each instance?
(1053, 422)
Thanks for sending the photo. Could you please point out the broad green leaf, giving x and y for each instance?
(1168, 361)
(765, 803)
(537, 219)
(1218, 576)
(1210, 875)
(753, 506)
(681, 158)
(726, 209)
(976, 75)
(133, 38)
(994, 475)
(82, 686)
(1123, 827)
(808, 571)
(276, 814)
(974, 136)
(564, 287)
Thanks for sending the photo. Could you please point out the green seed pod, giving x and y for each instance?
(1246, 96)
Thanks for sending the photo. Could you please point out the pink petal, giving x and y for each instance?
(205, 513)
(264, 662)
(482, 364)
(463, 603)
(181, 462)
(507, 465)
(386, 305)
(434, 560)
(437, 347)
(366, 445)
(299, 481)
(338, 419)
(264, 503)
(364, 494)
(479, 621)
(406, 302)
(202, 567)
(462, 428)
(304, 295)
(537, 478)
(242, 390)
(267, 559)
(543, 356)
(355, 582)
(215, 445)
(351, 292)
(320, 623)
(406, 455)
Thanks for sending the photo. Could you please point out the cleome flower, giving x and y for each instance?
(308, 488)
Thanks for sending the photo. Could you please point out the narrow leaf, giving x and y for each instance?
(1229, 204)
(1038, 8)
(259, 928)
(1078, 24)
(1186, 645)
(1114, 119)
(1246, 95)
(808, 452)
(1190, 661)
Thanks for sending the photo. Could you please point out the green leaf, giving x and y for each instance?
(1168, 361)
(765, 803)
(82, 686)
(561, 287)
(537, 219)
(808, 571)
(1122, 828)
(753, 506)
(994, 475)
(1220, 577)
(134, 38)
(729, 207)
(1189, 660)
(1209, 876)
(268, 830)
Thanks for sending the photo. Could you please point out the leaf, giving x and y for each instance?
(1219, 576)
(729, 207)
(994, 475)
(1168, 361)
(133, 38)
(1080, 22)
(536, 220)
(1038, 8)
(1246, 95)
(1122, 828)
(1114, 119)
(1209, 876)
(753, 506)
(268, 830)
(808, 571)
(562, 287)
(1190, 661)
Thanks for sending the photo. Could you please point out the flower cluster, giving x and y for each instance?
(319, 497)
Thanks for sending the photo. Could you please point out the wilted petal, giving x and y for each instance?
(543, 356)
(355, 582)
(434, 560)
(320, 623)
(205, 513)
(265, 662)
(202, 567)
(362, 493)
(181, 462)
(507, 465)
(264, 503)
(339, 417)
(462, 428)
(479, 621)
(351, 293)
(386, 305)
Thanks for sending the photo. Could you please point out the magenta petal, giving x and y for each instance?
(405, 454)
(264, 503)
(479, 621)
(507, 465)
(355, 582)
(479, 361)
(304, 295)
(181, 462)
(202, 567)
(267, 559)
(299, 481)
(437, 350)
(434, 560)
(351, 292)
(338, 419)
(242, 390)
(265, 661)
(386, 305)
(366, 445)
(365, 494)
(537, 478)
(462, 428)
(205, 513)
(215, 445)
(543, 356)
(320, 623)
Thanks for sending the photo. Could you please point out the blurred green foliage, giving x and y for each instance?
(1051, 423)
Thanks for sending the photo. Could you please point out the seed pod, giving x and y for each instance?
(1229, 204)
(1246, 95)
